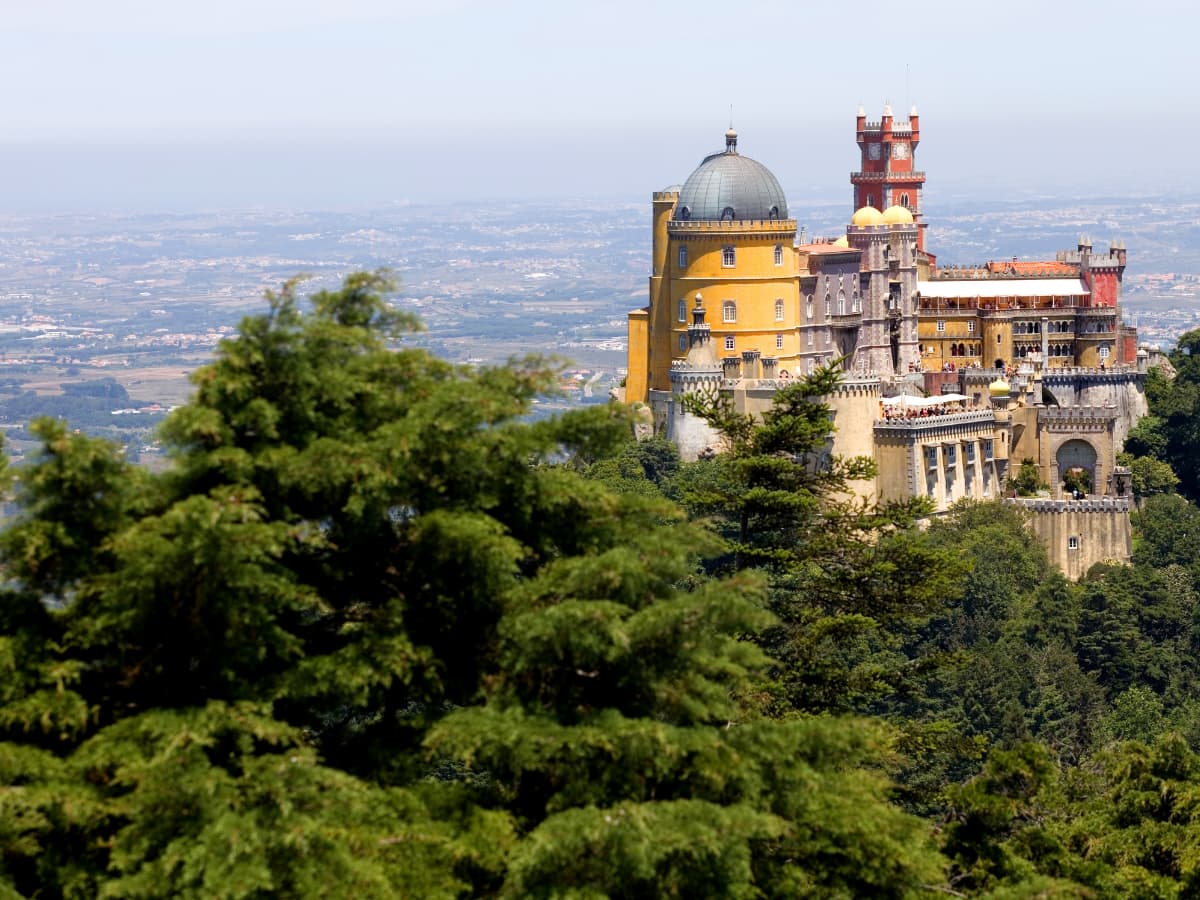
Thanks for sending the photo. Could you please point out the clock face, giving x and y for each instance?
(873, 151)
(899, 151)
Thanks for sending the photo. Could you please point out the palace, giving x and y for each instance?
(952, 376)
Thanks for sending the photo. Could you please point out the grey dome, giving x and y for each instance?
(730, 186)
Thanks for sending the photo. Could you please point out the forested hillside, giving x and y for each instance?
(377, 634)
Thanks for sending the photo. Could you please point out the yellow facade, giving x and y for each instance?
(745, 275)
(639, 349)
(941, 337)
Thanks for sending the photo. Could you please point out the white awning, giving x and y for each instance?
(991, 288)
(918, 402)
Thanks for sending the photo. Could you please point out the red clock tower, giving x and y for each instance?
(887, 175)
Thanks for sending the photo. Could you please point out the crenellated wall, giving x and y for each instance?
(1100, 529)
(1122, 388)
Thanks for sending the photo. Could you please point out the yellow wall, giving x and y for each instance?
(753, 283)
(662, 302)
(639, 349)
(957, 331)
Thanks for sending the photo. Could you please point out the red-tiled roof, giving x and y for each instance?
(1031, 267)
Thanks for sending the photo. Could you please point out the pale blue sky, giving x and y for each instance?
(345, 102)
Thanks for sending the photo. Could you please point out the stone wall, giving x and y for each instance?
(1123, 389)
(1080, 533)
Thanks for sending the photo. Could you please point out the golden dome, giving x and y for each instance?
(867, 215)
(897, 215)
(843, 241)
(999, 388)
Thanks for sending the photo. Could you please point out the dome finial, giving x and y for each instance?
(731, 140)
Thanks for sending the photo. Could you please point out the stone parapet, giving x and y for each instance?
(1091, 505)
(1071, 415)
(927, 424)
(757, 227)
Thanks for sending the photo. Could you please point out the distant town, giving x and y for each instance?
(141, 301)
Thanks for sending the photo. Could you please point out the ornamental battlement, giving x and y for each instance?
(936, 423)
(1063, 374)
(900, 127)
(1073, 414)
(859, 386)
(730, 226)
(915, 175)
(1097, 505)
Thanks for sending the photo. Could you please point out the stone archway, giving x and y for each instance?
(1077, 454)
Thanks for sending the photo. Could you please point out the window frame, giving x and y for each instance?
(779, 254)
(730, 343)
(728, 311)
(779, 309)
(778, 341)
(681, 260)
(728, 257)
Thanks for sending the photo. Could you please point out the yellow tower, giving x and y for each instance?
(724, 235)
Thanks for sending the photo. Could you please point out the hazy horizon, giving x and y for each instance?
(142, 106)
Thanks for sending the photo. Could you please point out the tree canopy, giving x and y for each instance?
(370, 635)
(379, 632)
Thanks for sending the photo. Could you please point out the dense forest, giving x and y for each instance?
(377, 633)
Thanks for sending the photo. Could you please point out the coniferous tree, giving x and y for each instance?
(369, 636)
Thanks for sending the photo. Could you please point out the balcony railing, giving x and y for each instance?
(887, 176)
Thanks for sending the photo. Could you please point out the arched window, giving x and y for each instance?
(856, 304)
(682, 257)
(727, 214)
(779, 254)
(779, 310)
(729, 311)
(728, 257)
(870, 200)
(841, 307)
(810, 307)
(904, 201)
(729, 345)
(682, 310)
(828, 306)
